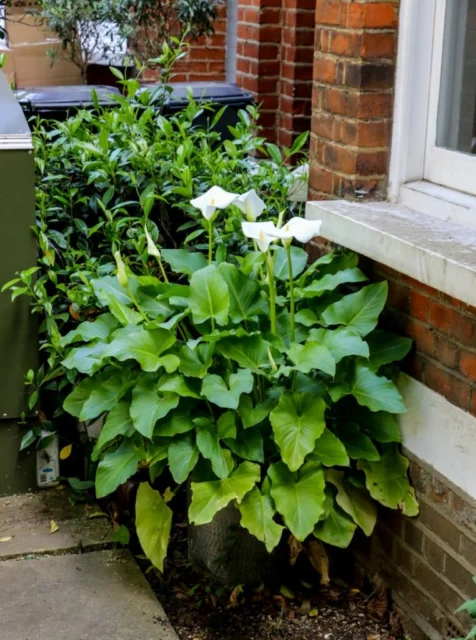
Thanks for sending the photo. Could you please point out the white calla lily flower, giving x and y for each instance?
(215, 198)
(262, 232)
(297, 228)
(121, 269)
(251, 205)
(152, 248)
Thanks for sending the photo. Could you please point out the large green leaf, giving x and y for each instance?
(110, 285)
(76, 400)
(149, 405)
(299, 497)
(337, 529)
(359, 311)
(183, 456)
(117, 467)
(330, 450)
(183, 261)
(196, 362)
(209, 446)
(297, 421)
(226, 425)
(210, 497)
(88, 359)
(226, 396)
(310, 356)
(387, 479)
(251, 416)
(107, 394)
(331, 281)
(118, 423)
(341, 342)
(250, 352)
(209, 296)
(355, 502)
(136, 343)
(122, 312)
(88, 331)
(376, 392)
(380, 425)
(386, 347)
(153, 523)
(180, 385)
(248, 445)
(257, 515)
(299, 260)
(357, 444)
(245, 294)
(175, 423)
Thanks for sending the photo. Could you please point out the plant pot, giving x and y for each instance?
(229, 551)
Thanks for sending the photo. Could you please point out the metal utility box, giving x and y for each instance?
(219, 94)
(18, 328)
(57, 103)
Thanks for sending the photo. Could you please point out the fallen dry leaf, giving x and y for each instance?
(234, 595)
(53, 527)
(6, 539)
(295, 549)
(319, 559)
(287, 593)
(378, 604)
(373, 636)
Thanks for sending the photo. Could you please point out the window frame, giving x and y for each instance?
(415, 158)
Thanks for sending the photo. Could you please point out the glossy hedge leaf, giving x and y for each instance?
(337, 529)
(210, 497)
(257, 515)
(297, 421)
(376, 392)
(183, 456)
(153, 523)
(250, 352)
(357, 444)
(341, 342)
(310, 356)
(226, 396)
(196, 362)
(299, 260)
(386, 347)
(387, 479)
(209, 446)
(299, 497)
(149, 405)
(330, 450)
(117, 467)
(183, 261)
(88, 331)
(209, 296)
(118, 423)
(359, 311)
(245, 294)
(355, 502)
(136, 343)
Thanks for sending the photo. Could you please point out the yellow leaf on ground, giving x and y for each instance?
(66, 452)
(97, 514)
(313, 613)
(6, 539)
(53, 527)
(287, 593)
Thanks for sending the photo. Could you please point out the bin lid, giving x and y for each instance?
(64, 96)
(224, 92)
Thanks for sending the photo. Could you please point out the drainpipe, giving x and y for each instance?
(231, 40)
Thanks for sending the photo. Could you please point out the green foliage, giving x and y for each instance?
(469, 607)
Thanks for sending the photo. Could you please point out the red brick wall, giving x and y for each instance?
(352, 100)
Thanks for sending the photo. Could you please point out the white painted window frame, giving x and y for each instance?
(423, 176)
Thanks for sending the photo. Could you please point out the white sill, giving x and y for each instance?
(433, 251)
(433, 199)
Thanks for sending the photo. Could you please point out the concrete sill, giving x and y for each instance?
(433, 251)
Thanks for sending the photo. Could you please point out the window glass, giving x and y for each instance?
(457, 103)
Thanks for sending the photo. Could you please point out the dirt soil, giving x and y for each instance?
(295, 610)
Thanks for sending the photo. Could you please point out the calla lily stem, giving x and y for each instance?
(292, 304)
(210, 241)
(272, 291)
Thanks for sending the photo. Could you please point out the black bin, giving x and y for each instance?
(57, 103)
(219, 94)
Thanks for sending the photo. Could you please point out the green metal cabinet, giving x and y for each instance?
(18, 327)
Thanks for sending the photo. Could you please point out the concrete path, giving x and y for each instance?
(70, 585)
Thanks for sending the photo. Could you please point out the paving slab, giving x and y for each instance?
(26, 520)
(100, 595)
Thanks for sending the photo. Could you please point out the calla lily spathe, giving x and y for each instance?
(299, 229)
(152, 248)
(251, 205)
(215, 198)
(262, 232)
(121, 269)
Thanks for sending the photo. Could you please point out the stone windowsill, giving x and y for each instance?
(435, 252)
